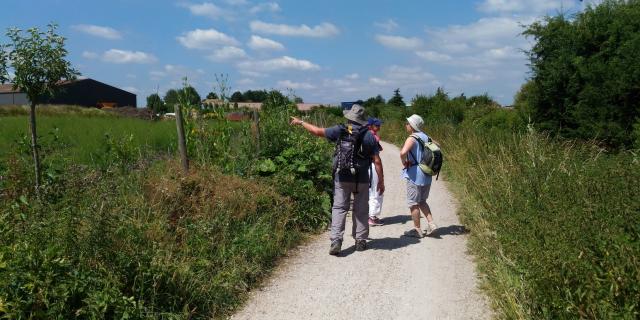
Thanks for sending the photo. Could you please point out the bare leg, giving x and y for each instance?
(415, 216)
(426, 211)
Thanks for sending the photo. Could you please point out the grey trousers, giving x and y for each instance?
(360, 215)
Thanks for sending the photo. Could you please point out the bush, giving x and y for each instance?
(585, 72)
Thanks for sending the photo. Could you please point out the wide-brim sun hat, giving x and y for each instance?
(416, 122)
(356, 114)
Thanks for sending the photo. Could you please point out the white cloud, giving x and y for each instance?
(89, 55)
(125, 56)
(398, 42)
(236, 2)
(484, 33)
(336, 83)
(468, 77)
(403, 76)
(387, 26)
(506, 52)
(175, 73)
(378, 81)
(98, 31)
(269, 6)
(288, 84)
(352, 76)
(253, 74)
(206, 9)
(433, 56)
(524, 6)
(245, 81)
(281, 63)
(260, 43)
(228, 53)
(322, 30)
(206, 39)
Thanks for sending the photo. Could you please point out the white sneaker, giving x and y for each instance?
(431, 227)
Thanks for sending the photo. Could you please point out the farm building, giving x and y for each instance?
(82, 92)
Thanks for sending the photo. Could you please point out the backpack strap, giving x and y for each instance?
(421, 145)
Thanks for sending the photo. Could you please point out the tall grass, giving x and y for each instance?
(555, 224)
(85, 138)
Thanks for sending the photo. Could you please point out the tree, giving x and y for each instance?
(255, 95)
(38, 61)
(237, 97)
(212, 95)
(171, 98)
(190, 96)
(373, 101)
(585, 73)
(155, 103)
(396, 100)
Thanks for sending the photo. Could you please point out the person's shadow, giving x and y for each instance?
(452, 230)
(383, 244)
(401, 218)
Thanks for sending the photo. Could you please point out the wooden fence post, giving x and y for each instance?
(182, 144)
(256, 119)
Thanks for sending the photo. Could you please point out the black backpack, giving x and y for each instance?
(349, 154)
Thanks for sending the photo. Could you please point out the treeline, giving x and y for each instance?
(586, 74)
(189, 95)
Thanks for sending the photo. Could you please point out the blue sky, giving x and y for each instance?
(323, 51)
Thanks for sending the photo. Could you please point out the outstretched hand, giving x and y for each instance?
(295, 121)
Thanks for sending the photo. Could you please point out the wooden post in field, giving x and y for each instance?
(182, 144)
(256, 119)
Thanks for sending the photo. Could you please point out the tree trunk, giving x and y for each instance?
(34, 146)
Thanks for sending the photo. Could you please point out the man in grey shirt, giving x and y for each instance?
(347, 183)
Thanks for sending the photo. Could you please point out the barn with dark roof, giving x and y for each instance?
(82, 92)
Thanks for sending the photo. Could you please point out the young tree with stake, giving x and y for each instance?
(38, 62)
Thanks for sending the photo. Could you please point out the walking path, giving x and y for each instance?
(395, 278)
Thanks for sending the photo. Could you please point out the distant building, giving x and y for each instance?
(255, 105)
(8, 96)
(82, 92)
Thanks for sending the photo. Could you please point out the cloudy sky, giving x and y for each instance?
(323, 51)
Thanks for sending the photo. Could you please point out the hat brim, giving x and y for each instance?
(350, 116)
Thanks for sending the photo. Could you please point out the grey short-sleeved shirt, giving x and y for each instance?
(369, 147)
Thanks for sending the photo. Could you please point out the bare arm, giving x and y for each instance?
(408, 144)
(377, 163)
(316, 131)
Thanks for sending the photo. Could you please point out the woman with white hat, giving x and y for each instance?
(418, 183)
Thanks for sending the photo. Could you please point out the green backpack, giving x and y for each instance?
(431, 161)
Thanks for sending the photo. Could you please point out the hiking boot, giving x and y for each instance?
(431, 227)
(361, 245)
(413, 233)
(375, 221)
(336, 245)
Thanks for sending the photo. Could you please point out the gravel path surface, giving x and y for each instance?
(395, 278)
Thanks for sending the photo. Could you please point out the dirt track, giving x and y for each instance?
(395, 278)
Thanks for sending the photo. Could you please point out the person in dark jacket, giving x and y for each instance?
(346, 183)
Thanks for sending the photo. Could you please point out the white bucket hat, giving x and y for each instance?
(416, 122)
